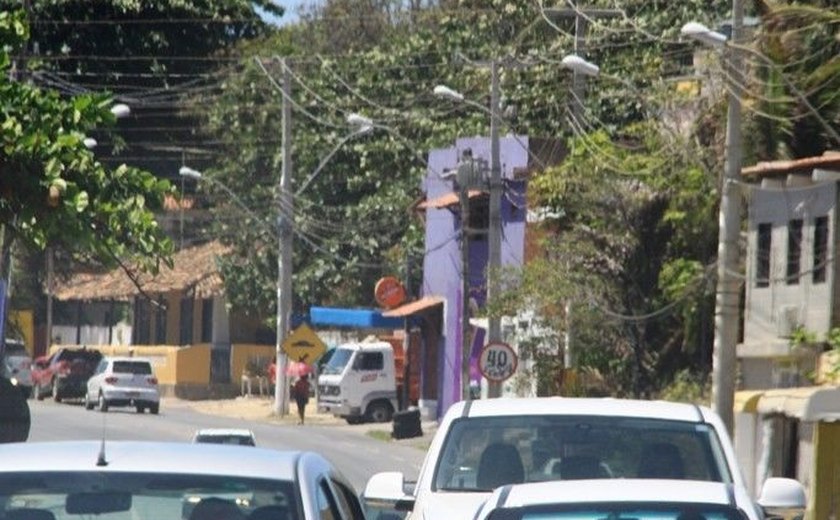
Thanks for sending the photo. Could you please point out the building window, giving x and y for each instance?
(794, 255)
(207, 320)
(762, 268)
(186, 319)
(820, 249)
(479, 218)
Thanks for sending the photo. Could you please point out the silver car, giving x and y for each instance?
(18, 366)
(123, 381)
(75, 480)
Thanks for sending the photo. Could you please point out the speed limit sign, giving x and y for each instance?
(497, 362)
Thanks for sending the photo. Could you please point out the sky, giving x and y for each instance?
(291, 15)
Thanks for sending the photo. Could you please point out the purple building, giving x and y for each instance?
(442, 276)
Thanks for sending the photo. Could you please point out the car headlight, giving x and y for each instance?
(14, 381)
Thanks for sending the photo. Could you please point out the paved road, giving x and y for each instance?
(356, 454)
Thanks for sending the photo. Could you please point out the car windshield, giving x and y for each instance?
(482, 453)
(132, 367)
(621, 512)
(239, 440)
(142, 496)
(338, 360)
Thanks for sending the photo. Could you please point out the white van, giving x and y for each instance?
(359, 382)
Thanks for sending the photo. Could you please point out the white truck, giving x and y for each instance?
(361, 382)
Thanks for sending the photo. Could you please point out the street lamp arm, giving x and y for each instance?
(186, 171)
(363, 130)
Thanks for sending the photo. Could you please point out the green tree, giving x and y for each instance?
(801, 59)
(53, 190)
(651, 254)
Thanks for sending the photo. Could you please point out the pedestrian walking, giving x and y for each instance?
(300, 391)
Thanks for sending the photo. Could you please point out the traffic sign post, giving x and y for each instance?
(303, 345)
(497, 362)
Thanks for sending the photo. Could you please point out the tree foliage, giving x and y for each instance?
(53, 190)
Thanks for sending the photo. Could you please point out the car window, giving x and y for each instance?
(370, 361)
(482, 453)
(348, 501)
(327, 505)
(132, 367)
(61, 495)
(238, 440)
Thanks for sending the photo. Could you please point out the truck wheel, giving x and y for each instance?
(379, 411)
(353, 419)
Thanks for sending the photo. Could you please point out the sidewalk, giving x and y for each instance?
(261, 408)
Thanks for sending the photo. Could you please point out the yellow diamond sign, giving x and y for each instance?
(304, 345)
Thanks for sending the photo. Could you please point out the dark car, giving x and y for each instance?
(65, 373)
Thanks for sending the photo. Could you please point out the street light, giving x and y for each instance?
(580, 65)
(363, 126)
(120, 110)
(698, 31)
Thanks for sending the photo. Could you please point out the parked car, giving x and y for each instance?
(123, 381)
(481, 445)
(161, 480)
(638, 499)
(235, 436)
(65, 373)
(18, 365)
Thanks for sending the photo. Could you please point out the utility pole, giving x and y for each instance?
(285, 216)
(727, 296)
(494, 239)
(582, 15)
(464, 199)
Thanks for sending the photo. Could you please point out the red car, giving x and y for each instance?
(64, 374)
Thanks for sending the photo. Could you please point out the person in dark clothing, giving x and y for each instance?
(300, 391)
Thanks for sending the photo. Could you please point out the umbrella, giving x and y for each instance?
(298, 368)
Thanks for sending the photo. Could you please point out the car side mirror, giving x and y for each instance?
(782, 497)
(386, 491)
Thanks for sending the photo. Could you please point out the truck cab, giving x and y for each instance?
(359, 382)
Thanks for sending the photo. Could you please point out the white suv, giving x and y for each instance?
(123, 381)
(482, 445)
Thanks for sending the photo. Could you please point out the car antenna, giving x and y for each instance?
(100, 459)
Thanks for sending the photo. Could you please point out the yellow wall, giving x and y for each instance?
(241, 353)
(825, 474)
(25, 322)
(172, 364)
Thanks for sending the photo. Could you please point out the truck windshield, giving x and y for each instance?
(337, 362)
(540, 448)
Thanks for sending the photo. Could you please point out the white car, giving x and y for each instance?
(123, 381)
(18, 366)
(639, 499)
(483, 444)
(122, 480)
(233, 436)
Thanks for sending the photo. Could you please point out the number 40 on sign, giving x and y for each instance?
(497, 361)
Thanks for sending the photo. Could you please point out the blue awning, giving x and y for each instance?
(355, 318)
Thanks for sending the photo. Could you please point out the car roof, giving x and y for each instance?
(588, 406)
(127, 358)
(611, 490)
(151, 457)
(225, 431)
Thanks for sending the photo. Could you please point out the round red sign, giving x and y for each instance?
(389, 292)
